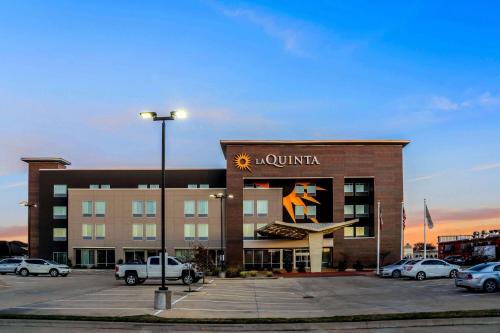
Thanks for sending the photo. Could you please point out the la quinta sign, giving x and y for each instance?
(244, 161)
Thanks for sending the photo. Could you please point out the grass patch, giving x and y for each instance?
(353, 318)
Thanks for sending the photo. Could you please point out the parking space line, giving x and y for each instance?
(179, 299)
(157, 312)
(249, 296)
(99, 300)
(237, 302)
(234, 310)
(92, 308)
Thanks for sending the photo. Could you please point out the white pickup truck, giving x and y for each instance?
(174, 270)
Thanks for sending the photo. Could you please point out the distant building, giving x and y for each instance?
(478, 244)
(408, 251)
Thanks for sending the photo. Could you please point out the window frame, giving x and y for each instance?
(189, 203)
(260, 214)
(60, 195)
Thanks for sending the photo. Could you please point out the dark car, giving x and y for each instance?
(476, 260)
(455, 260)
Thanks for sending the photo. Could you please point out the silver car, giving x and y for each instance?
(483, 277)
(9, 265)
(393, 270)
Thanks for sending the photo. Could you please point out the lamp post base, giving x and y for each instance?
(163, 299)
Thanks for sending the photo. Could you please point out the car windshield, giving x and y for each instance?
(401, 262)
(479, 267)
(411, 262)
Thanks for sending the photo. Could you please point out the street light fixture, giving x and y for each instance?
(29, 205)
(221, 196)
(154, 116)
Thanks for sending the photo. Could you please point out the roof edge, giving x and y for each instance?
(45, 159)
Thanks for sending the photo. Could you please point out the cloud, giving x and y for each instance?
(486, 167)
(13, 232)
(14, 185)
(442, 103)
(487, 99)
(417, 179)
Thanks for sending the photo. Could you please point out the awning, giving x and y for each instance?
(301, 230)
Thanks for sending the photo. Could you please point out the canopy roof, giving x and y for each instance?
(301, 230)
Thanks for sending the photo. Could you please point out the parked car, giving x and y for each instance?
(428, 268)
(393, 270)
(484, 276)
(9, 265)
(174, 270)
(455, 260)
(477, 259)
(34, 266)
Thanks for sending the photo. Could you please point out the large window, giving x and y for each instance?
(87, 257)
(189, 208)
(105, 186)
(151, 208)
(311, 212)
(348, 211)
(348, 231)
(189, 231)
(105, 258)
(203, 231)
(59, 212)
(202, 208)
(137, 231)
(100, 231)
(362, 211)
(262, 207)
(362, 189)
(87, 231)
(100, 208)
(60, 257)
(59, 234)
(361, 232)
(248, 231)
(348, 189)
(299, 212)
(150, 231)
(142, 186)
(299, 190)
(93, 186)
(311, 190)
(137, 208)
(247, 207)
(87, 208)
(204, 186)
(60, 191)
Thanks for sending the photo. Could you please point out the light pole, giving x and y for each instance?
(161, 303)
(221, 196)
(29, 205)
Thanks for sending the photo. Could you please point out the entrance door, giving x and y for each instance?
(302, 257)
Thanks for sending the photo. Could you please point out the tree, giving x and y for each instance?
(202, 260)
(420, 246)
(383, 255)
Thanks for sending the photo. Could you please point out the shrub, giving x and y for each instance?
(253, 273)
(233, 272)
(215, 271)
(301, 267)
(342, 266)
(358, 266)
(269, 274)
(243, 274)
(276, 271)
(120, 261)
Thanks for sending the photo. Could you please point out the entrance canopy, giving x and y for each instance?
(301, 230)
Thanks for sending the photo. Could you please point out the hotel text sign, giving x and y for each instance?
(243, 161)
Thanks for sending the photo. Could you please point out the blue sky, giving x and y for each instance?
(73, 76)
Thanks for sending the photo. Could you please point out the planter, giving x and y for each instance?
(222, 274)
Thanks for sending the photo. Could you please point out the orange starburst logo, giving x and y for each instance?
(243, 161)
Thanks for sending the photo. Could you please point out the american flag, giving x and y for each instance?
(404, 218)
(381, 220)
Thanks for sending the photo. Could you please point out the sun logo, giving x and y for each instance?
(243, 162)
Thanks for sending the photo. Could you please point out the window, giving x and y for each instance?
(60, 191)
(311, 212)
(360, 232)
(100, 208)
(172, 262)
(100, 231)
(248, 231)
(105, 187)
(192, 185)
(154, 186)
(60, 257)
(362, 211)
(204, 186)
(299, 190)
(137, 231)
(361, 188)
(348, 210)
(202, 208)
(87, 231)
(203, 231)
(150, 231)
(348, 232)
(262, 207)
(348, 189)
(189, 231)
(142, 186)
(59, 212)
(59, 234)
(94, 186)
(87, 208)
(154, 261)
(137, 208)
(151, 208)
(299, 212)
(247, 207)
(189, 207)
(311, 190)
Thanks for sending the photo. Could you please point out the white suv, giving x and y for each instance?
(428, 268)
(40, 266)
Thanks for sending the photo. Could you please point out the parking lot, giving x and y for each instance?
(99, 294)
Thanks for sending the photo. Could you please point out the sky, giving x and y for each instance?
(74, 75)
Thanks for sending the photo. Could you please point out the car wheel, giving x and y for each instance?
(490, 286)
(187, 279)
(24, 272)
(3, 273)
(420, 276)
(453, 273)
(131, 279)
(53, 272)
(396, 274)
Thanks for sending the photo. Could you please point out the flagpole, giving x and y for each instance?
(402, 229)
(425, 230)
(378, 237)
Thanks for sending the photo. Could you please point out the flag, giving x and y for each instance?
(380, 219)
(428, 217)
(404, 218)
